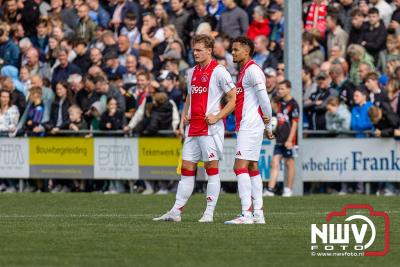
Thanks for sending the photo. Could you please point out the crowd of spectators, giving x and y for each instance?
(85, 67)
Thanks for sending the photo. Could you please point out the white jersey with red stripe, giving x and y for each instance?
(248, 112)
(206, 87)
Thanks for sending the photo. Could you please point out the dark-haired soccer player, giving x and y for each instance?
(252, 102)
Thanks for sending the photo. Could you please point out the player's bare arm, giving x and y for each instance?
(229, 107)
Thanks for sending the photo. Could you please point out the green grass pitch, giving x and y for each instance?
(117, 230)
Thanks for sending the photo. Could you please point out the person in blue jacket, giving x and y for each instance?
(9, 51)
(360, 120)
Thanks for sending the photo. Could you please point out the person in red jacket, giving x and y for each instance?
(259, 25)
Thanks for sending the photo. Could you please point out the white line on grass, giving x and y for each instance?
(127, 216)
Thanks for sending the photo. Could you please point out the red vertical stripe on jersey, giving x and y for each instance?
(240, 94)
(199, 87)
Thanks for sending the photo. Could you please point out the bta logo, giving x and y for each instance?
(115, 155)
(356, 234)
(11, 154)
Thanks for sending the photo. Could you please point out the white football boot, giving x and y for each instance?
(169, 217)
(241, 220)
(287, 192)
(206, 218)
(258, 217)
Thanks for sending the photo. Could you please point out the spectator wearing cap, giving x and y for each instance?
(315, 106)
(98, 14)
(113, 66)
(276, 24)
(316, 17)
(384, 10)
(179, 17)
(168, 82)
(358, 56)
(120, 11)
(233, 21)
(259, 25)
(107, 90)
(82, 59)
(262, 56)
(64, 70)
(377, 95)
(86, 28)
(336, 35)
(9, 51)
(311, 50)
(374, 36)
(358, 26)
(360, 120)
(342, 85)
(125, 49)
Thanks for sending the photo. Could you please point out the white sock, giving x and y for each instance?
(244, 188)
(213, 189)
(256, 190)
(184, 191)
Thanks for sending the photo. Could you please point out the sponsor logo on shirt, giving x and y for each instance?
(199, 89)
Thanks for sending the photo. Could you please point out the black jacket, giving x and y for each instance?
(317, 112)
(346, 92)
(356, 35)
(84, 99)
(55, 107)
(160, 119)
(19, 100)
(118, 121)
(381, 100)
(388, 123)
(83, 62)
(375, 39)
